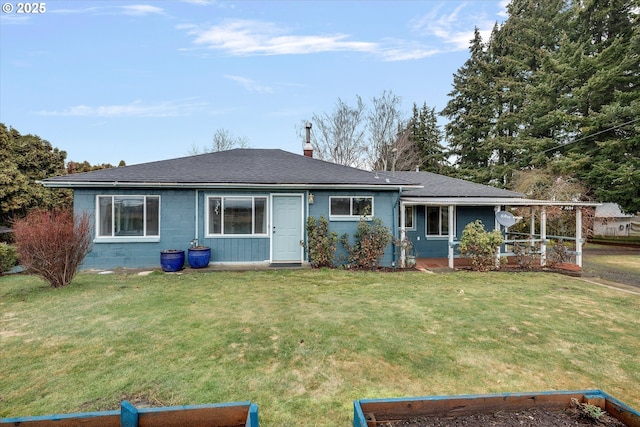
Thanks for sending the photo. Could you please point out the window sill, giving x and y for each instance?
(128, 239)
(236, 236)
(350, 218)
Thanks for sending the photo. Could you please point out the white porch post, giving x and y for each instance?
(403, 235)
(450, 255)
(578, 236)
(543, 236)
(532, 227)
(496, 226)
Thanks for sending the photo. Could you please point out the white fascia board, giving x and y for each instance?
(488, 201)
(117, 184)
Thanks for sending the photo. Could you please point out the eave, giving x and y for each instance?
(489, 201)
(209, 185)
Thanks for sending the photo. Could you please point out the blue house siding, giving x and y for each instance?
(176, 229)
(385, 207)
(438, 246)
(178, 226)
(231, 249)
(178, 223)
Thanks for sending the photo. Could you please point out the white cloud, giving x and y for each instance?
(200, 2)
(503, 8)
(132, 10)
(14, 19)
(245, 37)
(134, 109)
(455, 27)
(141, 10)
(250, 85)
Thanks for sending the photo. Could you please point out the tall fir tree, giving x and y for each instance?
(556, 88)
(469, 114)
(603, 50)
(426, 135)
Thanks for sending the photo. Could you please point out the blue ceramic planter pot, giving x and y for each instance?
(172, 260)
(199, 256)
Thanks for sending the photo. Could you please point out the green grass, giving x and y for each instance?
(635, 240)
(304, 344)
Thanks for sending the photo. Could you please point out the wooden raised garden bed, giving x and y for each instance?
(426, 410)
(237, 414)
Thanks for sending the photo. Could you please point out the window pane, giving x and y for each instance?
(260, 214)
(433, 220)
(215, 215)
(362, 206)
(408, 216)
(340, 206)
(445, 220)
(104, 211)
(153, 216)
(237, 216)
(129, 216)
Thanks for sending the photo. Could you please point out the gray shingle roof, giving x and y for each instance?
(237, 166)
(435, 185)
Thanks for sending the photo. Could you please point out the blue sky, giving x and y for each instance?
(142, 81)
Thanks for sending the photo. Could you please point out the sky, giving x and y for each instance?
(142, 81)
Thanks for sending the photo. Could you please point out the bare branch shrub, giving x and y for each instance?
(52, 244)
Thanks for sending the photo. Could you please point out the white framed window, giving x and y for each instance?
(437, 218)
(350, 207)
(133, 218)
(236, 216)
(410, 217)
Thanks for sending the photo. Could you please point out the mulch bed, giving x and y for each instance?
(534, 417)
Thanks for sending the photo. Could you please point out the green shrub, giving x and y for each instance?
(371, 238)
(480, 245)
(8, 257)
(321, 244)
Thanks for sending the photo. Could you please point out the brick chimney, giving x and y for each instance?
(308, 148)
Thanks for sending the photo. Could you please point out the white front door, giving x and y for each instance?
(286, 232)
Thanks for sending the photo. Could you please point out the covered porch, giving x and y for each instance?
(536, 240)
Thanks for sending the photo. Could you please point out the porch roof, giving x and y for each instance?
(434, 185)
(488, 201)
(443, 190)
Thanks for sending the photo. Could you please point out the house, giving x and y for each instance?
(250, 207)
(611, 221)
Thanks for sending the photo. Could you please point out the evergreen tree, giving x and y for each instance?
(25, 159)
(469, 113)
(426, 135)
(604, 150)
(555, 87)
(518, 51)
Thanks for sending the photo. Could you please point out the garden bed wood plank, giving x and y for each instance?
(372, 412)
(236, 414)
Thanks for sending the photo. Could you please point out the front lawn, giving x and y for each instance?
(304, 344)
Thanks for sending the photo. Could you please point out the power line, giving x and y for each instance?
(593, 134)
